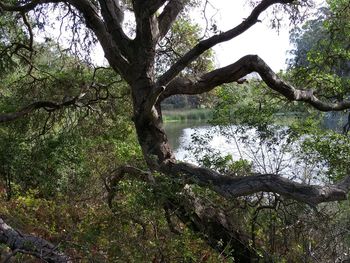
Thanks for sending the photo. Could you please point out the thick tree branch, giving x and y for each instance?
(150, 6)
(113, 15)
(31, 245)
(168, 16)
(206, 44)
(231, 187)
(147, 32)
(216, 225)
(241, 68)
(111, 48)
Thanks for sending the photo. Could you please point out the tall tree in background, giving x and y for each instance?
(321, 54)
(134, 59)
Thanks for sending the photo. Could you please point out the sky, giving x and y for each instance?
(270, 45)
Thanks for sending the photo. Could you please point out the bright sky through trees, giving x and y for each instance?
(270, 44)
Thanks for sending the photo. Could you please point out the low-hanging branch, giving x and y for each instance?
(238, 70)
(236, 186)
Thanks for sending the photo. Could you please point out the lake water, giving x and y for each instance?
(193, 141)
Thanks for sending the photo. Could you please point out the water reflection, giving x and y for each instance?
(175, 130)
(194, 141)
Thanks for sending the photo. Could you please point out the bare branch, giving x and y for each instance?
(47, 105)
(239, 69)
(168, 16)
(231, 187)
(31, 245)
(206, 44)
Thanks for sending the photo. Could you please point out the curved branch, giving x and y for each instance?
(239, 69)
(168, 16)
(112, 47)
(47, 105)
(31, 245)
(231, 187)
(206, 44)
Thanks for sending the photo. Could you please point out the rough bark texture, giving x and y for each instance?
(30, 245)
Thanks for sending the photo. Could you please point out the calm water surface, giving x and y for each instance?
(266, 158)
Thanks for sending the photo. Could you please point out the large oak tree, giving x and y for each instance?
(134, 60)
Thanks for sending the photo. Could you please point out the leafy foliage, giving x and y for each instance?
(321, 54)
(54, 164)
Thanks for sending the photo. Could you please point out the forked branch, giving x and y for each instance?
(113, 50)
(206, 44)
(113, 15)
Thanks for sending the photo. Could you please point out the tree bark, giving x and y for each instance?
(31, 245)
